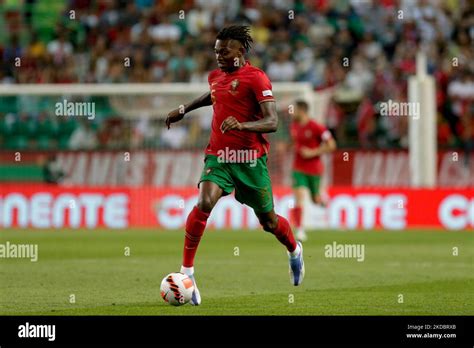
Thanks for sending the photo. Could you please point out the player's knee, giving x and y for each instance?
(269, 225)
(205, 204)
(316, 198)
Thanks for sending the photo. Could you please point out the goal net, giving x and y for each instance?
(129, 118)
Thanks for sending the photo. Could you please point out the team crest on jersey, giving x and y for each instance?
(307, 134)
(233, 85)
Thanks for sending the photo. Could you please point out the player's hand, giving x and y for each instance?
(174, 116)
(306, 152)
(230, 123)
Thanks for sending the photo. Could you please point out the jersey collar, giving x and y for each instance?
(247, 63)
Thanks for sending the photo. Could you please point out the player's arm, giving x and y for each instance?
(328, 145)
(177, 114)
(267, 124)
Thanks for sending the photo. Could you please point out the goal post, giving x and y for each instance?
(153, 100)
(422, 127)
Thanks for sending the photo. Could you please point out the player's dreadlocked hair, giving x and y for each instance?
(240, 33)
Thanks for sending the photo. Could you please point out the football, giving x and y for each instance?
(177, 289)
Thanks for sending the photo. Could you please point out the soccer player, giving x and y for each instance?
(236, 156)
(310, 141)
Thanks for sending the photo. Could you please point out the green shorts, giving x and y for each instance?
(251, 181)
(307, 180)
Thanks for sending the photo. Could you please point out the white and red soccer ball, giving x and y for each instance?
(177, 289)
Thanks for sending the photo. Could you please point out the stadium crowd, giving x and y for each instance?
(307, 40)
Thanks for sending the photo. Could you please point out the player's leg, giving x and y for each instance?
(298, 212)
(314, 189)
(253, 187)
(215, 182)
(209, 194)
(318, 200)
(300, 185)
(280, 227)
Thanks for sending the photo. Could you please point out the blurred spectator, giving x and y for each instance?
(282, 69)
(198, 20)
(360, 77)
(113, 135)
(181, 65)
(12, 51)
(36, 48)
(83, 137)
(174, 137)
(52, 172)
(165, 31)
(60, 49)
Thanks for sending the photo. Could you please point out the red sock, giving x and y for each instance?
(284, 234)
(195, 225)
(296, 214)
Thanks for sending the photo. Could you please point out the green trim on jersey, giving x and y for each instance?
(251, 181)
(306, 180)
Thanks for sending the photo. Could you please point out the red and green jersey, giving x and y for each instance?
(309, 135)
(238, 94)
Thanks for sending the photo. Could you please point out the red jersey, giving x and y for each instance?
(310, 135)
(238, 94)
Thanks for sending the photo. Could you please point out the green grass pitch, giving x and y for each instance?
(250, 280)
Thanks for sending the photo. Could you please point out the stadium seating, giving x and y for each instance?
(310, 48)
